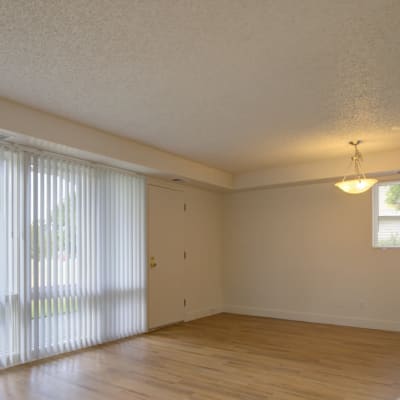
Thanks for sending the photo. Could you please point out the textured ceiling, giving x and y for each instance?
(239, 85)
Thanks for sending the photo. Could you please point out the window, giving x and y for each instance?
(72, 255)
(386, 210)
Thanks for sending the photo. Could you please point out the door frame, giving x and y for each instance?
(163, 185)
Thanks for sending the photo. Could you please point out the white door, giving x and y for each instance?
(165, 256)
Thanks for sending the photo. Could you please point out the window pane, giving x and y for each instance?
(72, 255)
(387, 231)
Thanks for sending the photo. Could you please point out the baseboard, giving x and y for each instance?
(196, 314)
(356, 322)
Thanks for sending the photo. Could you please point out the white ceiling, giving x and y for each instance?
(239, 85)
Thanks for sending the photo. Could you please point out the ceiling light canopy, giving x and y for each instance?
(360, 184)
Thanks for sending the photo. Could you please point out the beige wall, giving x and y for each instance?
(203, 244)
(40, 129)
(302, 252)
(305, 253)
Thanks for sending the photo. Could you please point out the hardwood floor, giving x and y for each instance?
(222, 357)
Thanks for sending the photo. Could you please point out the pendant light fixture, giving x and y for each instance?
(360, 184)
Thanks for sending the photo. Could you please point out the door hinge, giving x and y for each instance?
(184, 255)
(184, 207)
(184, 302)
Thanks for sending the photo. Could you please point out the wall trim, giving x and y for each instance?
(205, 312)
(356, 322)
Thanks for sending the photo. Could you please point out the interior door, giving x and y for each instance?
(165, 246)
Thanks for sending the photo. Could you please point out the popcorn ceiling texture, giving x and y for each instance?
(240, 85)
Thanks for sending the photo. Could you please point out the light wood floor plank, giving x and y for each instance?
(219, 358)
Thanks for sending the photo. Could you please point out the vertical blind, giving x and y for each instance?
(72, 255)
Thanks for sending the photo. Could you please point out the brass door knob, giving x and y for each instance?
(153, 263)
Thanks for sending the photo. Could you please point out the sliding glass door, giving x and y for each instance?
(72, 255)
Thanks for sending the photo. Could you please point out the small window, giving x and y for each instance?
(386, 214)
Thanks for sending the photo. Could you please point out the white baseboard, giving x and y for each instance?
(386, 325)
(196, 314)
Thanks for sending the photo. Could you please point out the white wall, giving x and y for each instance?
(305, 253)
(203, 244)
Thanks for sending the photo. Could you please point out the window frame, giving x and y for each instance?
(375, 214)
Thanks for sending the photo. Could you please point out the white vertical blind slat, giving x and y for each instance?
(54, 269)
(48, 293)
(26, 304)
(41, 254)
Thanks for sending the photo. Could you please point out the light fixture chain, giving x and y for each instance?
(348, 169)
(360, 184)
(357, 159)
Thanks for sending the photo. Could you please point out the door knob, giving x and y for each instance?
(153, 263)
